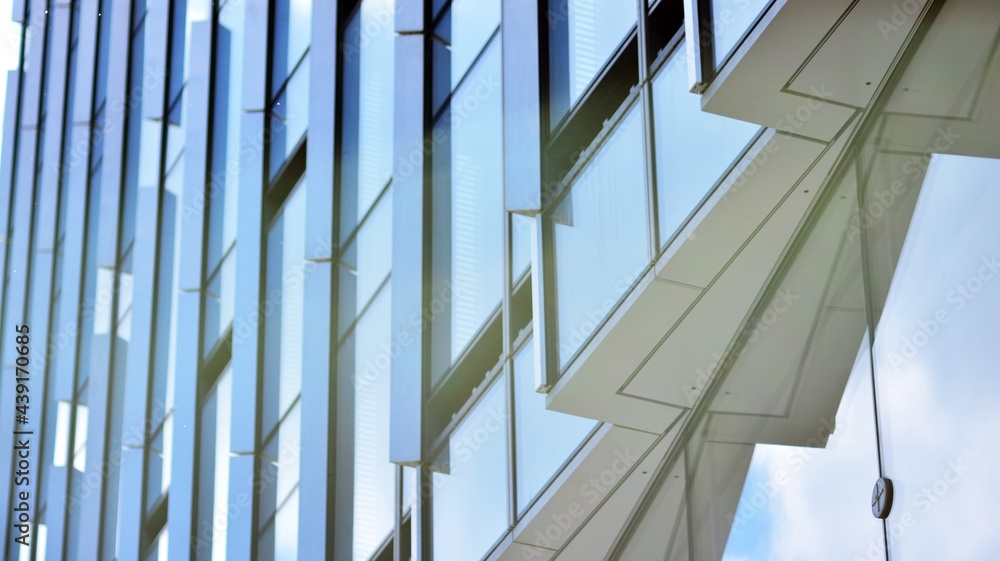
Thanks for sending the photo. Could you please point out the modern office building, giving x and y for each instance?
(452, 280)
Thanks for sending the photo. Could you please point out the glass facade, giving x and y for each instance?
(601, 236)
(468, 219)
(514, 280)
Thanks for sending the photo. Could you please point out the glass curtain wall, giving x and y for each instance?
(472, 497)
(289, 88)
(468, 221)
(280, 421)
(364, 340)
(221, 195)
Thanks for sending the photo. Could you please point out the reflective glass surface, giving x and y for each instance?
(366, 356)
(544, 439)
(292, 34)
(468, 210)
(470, 488)
(782, 462)
(364, 265)
(583, 35)
(367, 114)
(777, 515)
(222, 189)
(213, 471)
(463, 30)
(289, 117)
(219, 292)
(521, 227)
(730, 20)
(186, 12)
(601, 236)
(165, 346)
(278, 513)
(935, 364)
(799, 391)
(693, 147)
(286, 269)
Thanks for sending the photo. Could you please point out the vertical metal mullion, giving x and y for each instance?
(508, 371)
(320, 375)
(522, 106)
(512, 506)
(185, 538)
(411, 249)
(247, 312)
(145, 270)
(16, 288)
(398, 498)
(422, 547)
(649, 152)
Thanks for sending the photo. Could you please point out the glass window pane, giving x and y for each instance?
(365, 263)
(583, 36)
(469, 211)
(219, 294)
(292, 34)
(544, 439)
(935, 362)
(730, 20)
(278, 513)
(468, 25)
(226, 158)
(601, 236)
(286, 530)
(289, 118)
(470, 491)
(366, 121)
(103, 48)
(366, 357)
(284, 294)
(686, 170)
(213, 475)
(793, 495)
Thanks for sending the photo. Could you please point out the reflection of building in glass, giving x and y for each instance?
(449, 280)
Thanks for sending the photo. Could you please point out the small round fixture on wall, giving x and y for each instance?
(882, 498)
